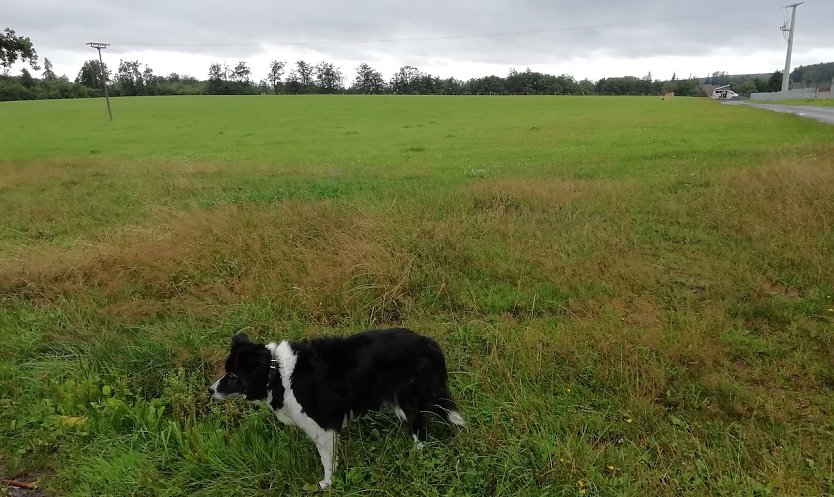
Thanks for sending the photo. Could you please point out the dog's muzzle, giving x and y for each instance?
(216, 395)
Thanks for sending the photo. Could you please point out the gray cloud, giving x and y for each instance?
(565, 31)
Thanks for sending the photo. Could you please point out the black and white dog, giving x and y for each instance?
(320, 384)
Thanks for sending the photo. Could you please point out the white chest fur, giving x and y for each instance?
(292, 413)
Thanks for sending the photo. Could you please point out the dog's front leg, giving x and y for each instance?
(326, 444)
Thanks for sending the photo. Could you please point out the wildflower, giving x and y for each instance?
(629, 420)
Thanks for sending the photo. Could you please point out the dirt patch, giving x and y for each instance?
(776, 289)
(25, 485)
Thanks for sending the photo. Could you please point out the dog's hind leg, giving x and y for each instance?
(411, 402)
(418, 428)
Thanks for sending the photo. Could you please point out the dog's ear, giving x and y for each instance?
(240, 339)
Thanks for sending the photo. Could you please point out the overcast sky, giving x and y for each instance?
(460, 38)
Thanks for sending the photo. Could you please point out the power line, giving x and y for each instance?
(786, 19)
(450, 37)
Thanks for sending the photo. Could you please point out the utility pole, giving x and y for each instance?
(99, 46)
(786, 76)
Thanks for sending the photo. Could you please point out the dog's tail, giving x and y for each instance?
(442, 403)
(445, 408)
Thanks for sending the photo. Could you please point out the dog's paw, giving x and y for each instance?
(418, 443)
(324, 484)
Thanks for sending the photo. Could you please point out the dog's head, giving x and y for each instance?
(247, 371)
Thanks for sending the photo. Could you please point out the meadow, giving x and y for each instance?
(634, 295)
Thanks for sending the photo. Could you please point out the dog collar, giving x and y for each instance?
(273, 368)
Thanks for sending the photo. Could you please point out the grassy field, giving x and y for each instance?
(635, 296)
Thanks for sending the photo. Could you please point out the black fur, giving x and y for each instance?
(248, 371)
(341, 377)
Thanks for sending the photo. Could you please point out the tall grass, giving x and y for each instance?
(649, 314)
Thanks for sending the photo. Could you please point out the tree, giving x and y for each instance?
(368, 80)
(276, 69)
(328, 78)
(216, 73)
(13, 89)
(90, 74)
(13, 47)
(532, 82)
(217, 80)
(522, 83)
(488, 85)
(586, 87)
(48, 74)
(719, 78)
(26, 78)
(241, 72)
(129, 79)
(293, 85)
(691, 87)
(745, 87)
(451, 86)
(775, 81)
(176, 84)
(405, 80)
(562, 85)
(815, 74)
(151, 81)
(427, 84)
(305, 76)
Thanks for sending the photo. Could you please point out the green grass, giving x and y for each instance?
(818, 103)
(634, 296)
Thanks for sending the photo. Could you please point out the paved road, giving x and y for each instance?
(822, 114)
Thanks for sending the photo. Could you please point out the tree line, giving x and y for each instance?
(746, 84)
(814, 74)
(133, 78)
